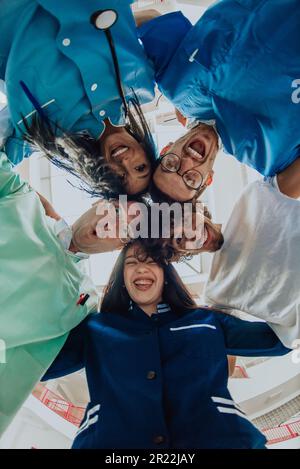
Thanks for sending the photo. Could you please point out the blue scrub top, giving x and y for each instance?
(239, 64)
(67, 65)
(161, 381)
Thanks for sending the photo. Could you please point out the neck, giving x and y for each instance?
(150, 308)
(110, 129)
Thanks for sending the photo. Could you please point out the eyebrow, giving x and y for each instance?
(130, 257)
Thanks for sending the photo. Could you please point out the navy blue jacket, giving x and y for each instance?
(161, 381)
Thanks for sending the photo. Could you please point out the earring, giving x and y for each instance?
(166, 283)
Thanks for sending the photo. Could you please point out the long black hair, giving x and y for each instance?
(175, 293)
(79, 153)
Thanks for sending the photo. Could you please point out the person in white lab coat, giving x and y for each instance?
(257, 271)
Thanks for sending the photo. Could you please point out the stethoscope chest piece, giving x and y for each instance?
(104, 19)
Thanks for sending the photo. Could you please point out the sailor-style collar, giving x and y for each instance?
(161, 307)
(163, 313)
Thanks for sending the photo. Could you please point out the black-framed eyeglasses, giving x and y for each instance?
(171, 163)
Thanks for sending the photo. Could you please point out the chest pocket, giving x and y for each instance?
(195, 339)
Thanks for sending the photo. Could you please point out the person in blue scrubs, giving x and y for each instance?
(75, 77)
(156, 363)
(237, 70)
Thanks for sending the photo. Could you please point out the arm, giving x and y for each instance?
(161, 37)
(10, 182)
(250, 339)
(71, 357)
(289, 180)
(49, 210)
(231, 364)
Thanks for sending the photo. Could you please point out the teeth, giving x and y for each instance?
(119, 151)
(194, 153)
(143, 282)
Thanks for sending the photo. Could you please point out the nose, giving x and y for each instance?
(187, 162)
(141, 268)
(123, 157)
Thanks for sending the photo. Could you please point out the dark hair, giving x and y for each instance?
(78, 153)
(160, 246)
(116, 298)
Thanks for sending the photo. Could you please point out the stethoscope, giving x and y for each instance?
(103, 20)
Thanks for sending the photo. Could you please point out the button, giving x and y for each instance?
(94, 86)
(66, 42)
(102, 113)
(151, 375)
(158, 440)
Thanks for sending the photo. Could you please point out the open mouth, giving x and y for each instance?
(143, 284)
(196, 149)
(207, 237)
(204, 240)
(119, 151)
(214, 241)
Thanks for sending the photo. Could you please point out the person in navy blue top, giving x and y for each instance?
(156, 363)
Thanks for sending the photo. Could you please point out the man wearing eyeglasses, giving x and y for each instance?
(185, 167)
(237, 66)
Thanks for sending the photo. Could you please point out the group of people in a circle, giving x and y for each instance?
(76, 76)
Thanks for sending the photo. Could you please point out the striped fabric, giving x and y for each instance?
(161, 308)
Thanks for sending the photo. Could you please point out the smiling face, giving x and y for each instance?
(127, 158)
(197, 150)
(211, 238)
(144, 279)
(202, 235)
(97, 230)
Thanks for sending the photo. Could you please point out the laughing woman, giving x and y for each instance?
(75, 74)
(150, 354)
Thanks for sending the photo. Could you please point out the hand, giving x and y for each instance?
(49, 210)
(143, 16)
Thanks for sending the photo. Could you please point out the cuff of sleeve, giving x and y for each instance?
(64, 233)
(162, 36)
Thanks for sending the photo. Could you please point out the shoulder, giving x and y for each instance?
(205, 314)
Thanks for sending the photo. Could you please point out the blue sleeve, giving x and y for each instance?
(17, 149)
(162, 36)
(71, 358)
(250, 339)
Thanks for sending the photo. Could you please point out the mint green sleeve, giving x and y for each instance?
(10, 182)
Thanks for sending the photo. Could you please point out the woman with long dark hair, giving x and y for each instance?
(156, 363)
(75, 76)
